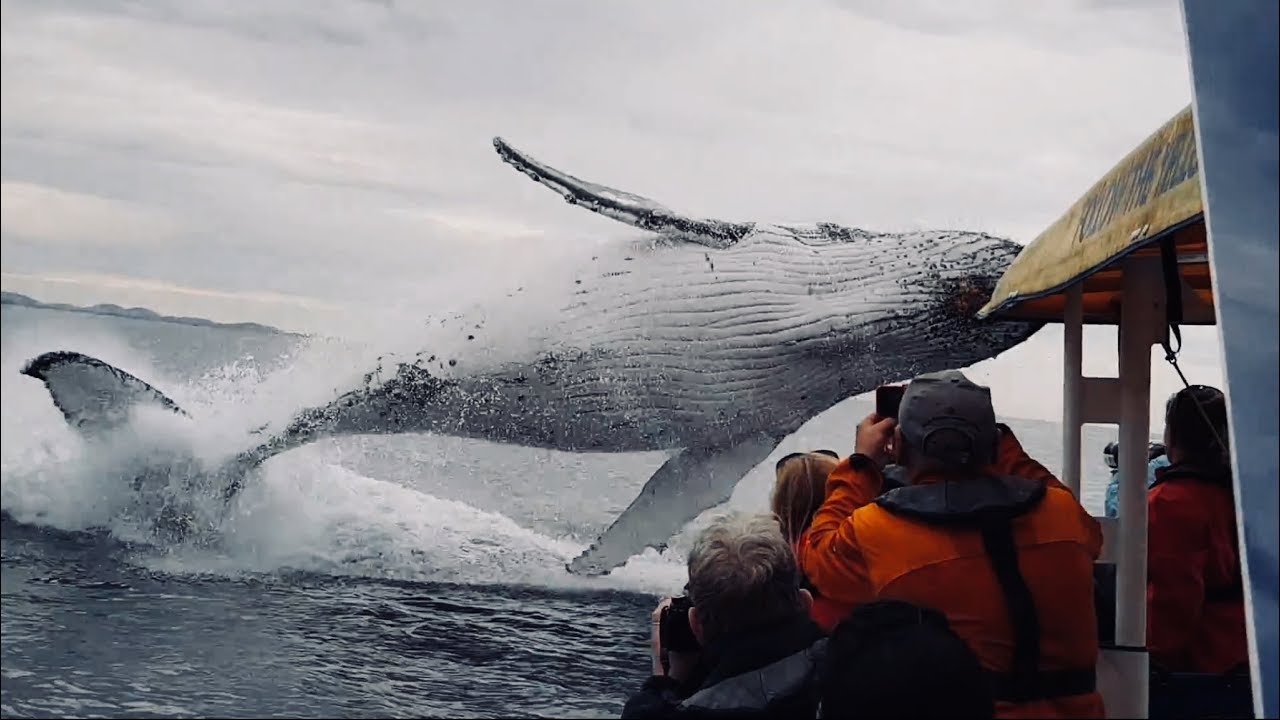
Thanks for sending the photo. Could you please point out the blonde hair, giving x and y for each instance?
(742, 573)
(800, 488)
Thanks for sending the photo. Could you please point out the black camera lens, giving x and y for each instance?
(674, 632)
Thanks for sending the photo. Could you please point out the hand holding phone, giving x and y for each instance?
(874, 439)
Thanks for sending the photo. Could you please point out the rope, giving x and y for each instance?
(1173, 308)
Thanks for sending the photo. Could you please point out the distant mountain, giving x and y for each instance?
(136, 313)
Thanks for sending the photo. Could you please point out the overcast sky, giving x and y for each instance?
(307, 162)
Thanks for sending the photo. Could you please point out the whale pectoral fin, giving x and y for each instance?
(623, 206)
(93, 396)
(688, 483)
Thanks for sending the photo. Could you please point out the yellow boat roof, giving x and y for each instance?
(1153, 193)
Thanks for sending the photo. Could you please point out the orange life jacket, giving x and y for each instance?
(1009, 560)
(1195, 593)
(826, 612)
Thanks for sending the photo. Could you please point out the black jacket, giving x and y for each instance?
(770, 672)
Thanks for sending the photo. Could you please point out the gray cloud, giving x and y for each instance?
(1078, 26)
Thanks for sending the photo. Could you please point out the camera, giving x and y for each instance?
(674, 633)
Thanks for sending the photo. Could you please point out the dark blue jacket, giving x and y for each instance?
(771, 672)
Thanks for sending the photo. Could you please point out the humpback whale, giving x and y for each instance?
(710, 339)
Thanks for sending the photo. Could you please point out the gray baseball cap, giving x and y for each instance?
(946, 417)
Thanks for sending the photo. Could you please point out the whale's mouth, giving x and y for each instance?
(961, 299)
(965, 296)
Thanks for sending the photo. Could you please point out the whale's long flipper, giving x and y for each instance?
(687, 484)
(623, 206)
(93, 396)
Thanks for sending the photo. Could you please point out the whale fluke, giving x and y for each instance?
(93, 396)
(623, 206)
(689, 482)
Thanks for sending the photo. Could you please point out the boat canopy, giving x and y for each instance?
(1151, 196)
(1119, 256)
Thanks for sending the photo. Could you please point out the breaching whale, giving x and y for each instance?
(710, 339)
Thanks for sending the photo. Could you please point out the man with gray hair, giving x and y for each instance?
(746, 611)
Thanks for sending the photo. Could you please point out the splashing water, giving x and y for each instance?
(306, 510)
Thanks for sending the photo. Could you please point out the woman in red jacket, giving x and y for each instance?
(800, 488)
(1195, 598)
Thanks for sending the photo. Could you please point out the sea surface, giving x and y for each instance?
(406, 576)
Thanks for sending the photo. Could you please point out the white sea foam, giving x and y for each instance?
(301, 511)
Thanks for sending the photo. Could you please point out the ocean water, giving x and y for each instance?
(372, 576)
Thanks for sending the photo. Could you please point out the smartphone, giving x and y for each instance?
(888, 398)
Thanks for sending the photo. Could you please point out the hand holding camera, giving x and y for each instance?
(676, 650)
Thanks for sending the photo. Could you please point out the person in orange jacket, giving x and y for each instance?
(1195, 594)
(798, 492)
(982, 533)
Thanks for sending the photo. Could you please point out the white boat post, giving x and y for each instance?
(1124, 401)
